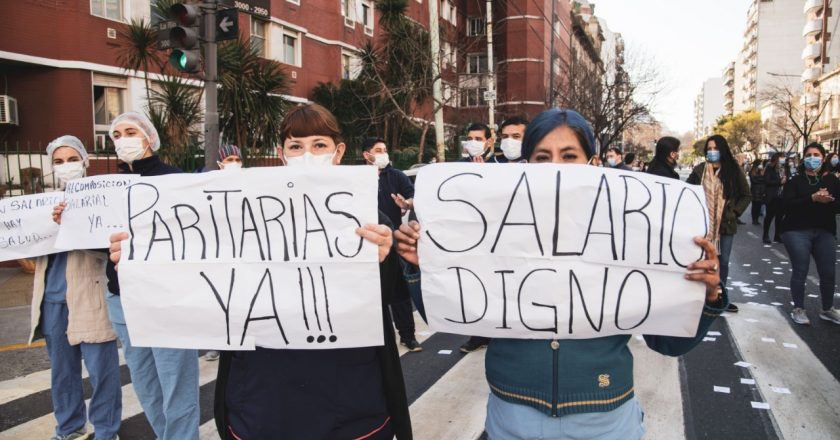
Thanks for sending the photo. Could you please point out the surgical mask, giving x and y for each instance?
(381, 160)
(473, 148)
(511, 148)
(812, 163)
(835, 160)
(309, 159)
(781, 161)
(636, 169)
(230, 166)
(130, 149)
(612, 162)
(761, 167)
(68, 171)
(713, 156)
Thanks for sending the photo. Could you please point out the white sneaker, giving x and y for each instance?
(76, 435)
(831, 314)
(798, 316)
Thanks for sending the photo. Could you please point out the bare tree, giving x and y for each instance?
(803, 117)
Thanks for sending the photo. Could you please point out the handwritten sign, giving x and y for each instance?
(93, 212)
(265, 257)
(558, 251)
(26, 226)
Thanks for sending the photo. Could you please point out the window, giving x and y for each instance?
(449, 13)
(108, 103)
(475, 26)
(290, 49)
(367, 16)
(477, 63)
(473, 97)
(446, 54)
(112, 9)
(348, 11)
(258, 36)
(350, 65)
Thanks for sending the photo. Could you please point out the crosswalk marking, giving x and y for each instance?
(659, 394)
(812, 410)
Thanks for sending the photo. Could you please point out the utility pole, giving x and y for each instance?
(437, 92)
(211, 93)
(491, 102)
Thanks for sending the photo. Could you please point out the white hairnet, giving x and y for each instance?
(142, 123)
(68, 141)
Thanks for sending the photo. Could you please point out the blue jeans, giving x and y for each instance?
(508, 421)
(103, 365)
(725, 250)
(801, 245)
(165, 380)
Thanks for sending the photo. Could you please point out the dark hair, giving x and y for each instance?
(665, 146)
(729, 168)
(774, 159)
(615, 150)
(514, 120)
(629, 158)
(755, 164)
(309, 120)
(827, 166)
(478, 126)
(814, 145)
(369, 142)
(551, 119)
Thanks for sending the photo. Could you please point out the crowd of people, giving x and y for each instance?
(536, 386)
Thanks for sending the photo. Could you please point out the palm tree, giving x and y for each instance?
(138, 50)
(175, 110)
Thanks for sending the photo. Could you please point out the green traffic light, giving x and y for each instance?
(182, 61)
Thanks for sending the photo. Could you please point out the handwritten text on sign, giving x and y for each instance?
(26, 226)
(558, 251)
(266, 257)
(93, 211)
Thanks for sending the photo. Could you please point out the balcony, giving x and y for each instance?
(812, 51)
(810, 99)
(811, 74)
(812, 27)
(812, 5)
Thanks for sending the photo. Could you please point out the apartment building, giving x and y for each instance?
(709, 106)
(821, 56)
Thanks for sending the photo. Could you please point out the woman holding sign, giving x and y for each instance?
(68, 310)
(576, 388)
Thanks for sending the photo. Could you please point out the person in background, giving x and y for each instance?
(67, 296)
(812, 200)
(478, 144)
(757, 189)
(665, 158)
(774, 178)
(727, 196)
(230, 157)
(538, 387)
(630, 162)
(511, 131)
(832, 164)
(615, 159)
(396, 197)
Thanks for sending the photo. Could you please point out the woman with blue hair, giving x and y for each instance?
(579, 388)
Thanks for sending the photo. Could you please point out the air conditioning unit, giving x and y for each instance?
(8, 110)
(112, 33)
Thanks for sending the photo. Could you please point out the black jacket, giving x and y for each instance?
(150, 166)
(326, 393)
(758, 186)
(658, 168)
(772, 185)
(801, 212)
(393, 181)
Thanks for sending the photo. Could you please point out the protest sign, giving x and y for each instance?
(546, 251)
(260, 257)
(94, 211)
(26, 225)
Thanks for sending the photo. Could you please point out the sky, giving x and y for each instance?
(691, 41)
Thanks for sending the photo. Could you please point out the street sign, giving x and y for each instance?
(490, 95)
(227, 24)
(162, 29)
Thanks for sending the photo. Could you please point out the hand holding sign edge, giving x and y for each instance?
(115, 249)
(706, 270)
(380, 235)
(407, 236)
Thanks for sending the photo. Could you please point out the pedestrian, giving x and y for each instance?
(630, 162)
(537, 386)
(774, 178)
(665, 158)
(727, 196)
(757, 189)
(615, 159)
(164, 379)
(831, 164)
(396, 197)
(478, 144)
(511, 131)
(812, 200)
(67, 296)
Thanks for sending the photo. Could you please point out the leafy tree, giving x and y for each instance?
(138, 50)
(742, 131)
(175, 110)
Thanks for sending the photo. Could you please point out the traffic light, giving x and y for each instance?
(184, 37)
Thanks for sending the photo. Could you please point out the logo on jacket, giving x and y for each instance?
(603, 380)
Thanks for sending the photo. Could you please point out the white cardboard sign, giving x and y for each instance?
(260, 257)
(93, 211)
(26, 225)
(539, 251)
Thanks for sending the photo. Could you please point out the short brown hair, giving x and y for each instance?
(309, 120)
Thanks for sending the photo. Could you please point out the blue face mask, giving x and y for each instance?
(812, 163)
(834, 161)
(713, 156)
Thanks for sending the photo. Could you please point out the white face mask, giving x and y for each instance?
(381, 160)
(473, 148)
(230, 166)
(309, 159)
(68, 171)
(511, 148)
(612, 162)
(130, 149)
